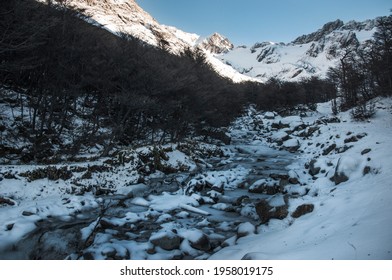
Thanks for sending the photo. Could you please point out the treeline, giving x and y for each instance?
(69, 68)
(83, 81)
(80, 83)
(284, 95)
(365, 71)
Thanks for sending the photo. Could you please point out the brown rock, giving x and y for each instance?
(267, 212)
(302, 210)
(169, 241)
(202, 244)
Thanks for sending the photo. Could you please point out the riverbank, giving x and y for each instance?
(314, 186)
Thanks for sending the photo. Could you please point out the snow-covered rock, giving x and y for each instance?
(245, 229)
(291, 145)
(216, 44)
(307, 56)
(166, 240)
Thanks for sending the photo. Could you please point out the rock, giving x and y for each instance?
(343, 149)
(202, 243)
(293, 181)
(223, 207)
(329, 149)
(351, 139)
(245, 229)
(254, 256)
(109, 252)
(345, 167)
(283, 183)
(242, 200)
(4, 200)
(229, 242)
(265, 186)
(105, 224)
(280, 136)
(279, 125)
(361, 135)
(291, 145)
(366, 170)
(269, 115)
(327, 120)
(339, 177)
(308, 131)
(88, 256)
(302, 210)
(27, 213)
(166, 240)
(313, 170)
(277, 176)
(365, 151)
(9, 226)
(151, 251)
(266, 212)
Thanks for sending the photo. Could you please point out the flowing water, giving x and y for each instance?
(58, 238)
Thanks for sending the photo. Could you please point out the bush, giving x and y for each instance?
(363, 112)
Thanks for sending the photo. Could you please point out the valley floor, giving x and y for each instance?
(312, 187)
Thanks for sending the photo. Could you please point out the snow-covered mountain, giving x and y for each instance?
(216, 44)
(308, 55)
(126, 16)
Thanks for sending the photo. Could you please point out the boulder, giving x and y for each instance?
(266, 212)
(302, 210)
(329, 149)
(291, 145)
(345, 167)
(245, 229)
(313, 170)
(280, 136)
(166, 240)
(202, 243)
(351, 139)
(265, 186)
(269, 115)
(4, 200)
(308, 131)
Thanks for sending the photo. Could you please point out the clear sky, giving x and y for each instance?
(245, 22)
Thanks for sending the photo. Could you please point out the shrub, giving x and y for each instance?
(363, 112)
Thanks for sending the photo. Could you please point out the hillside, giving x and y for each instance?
(128, 17)
(307, 56)
(325, 180)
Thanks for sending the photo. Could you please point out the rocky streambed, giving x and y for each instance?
(183, 215)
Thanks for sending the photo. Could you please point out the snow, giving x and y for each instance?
(246, 229)
(350, 221)
(291, 143)
(350, 166)
(167, 202)
(289, 61)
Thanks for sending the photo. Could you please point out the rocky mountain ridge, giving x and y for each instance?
(216, 44)
(127, 17)
(306, 56)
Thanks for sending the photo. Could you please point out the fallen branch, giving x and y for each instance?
(193, 209)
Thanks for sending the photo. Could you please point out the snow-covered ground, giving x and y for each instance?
(293, 62)
(268, 195)
(350, 220)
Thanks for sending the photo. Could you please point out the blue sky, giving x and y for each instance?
(250, 21)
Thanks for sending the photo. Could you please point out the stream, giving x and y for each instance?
(86, 233)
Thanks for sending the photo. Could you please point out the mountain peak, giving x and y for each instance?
(322, 32)
(216, 43)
